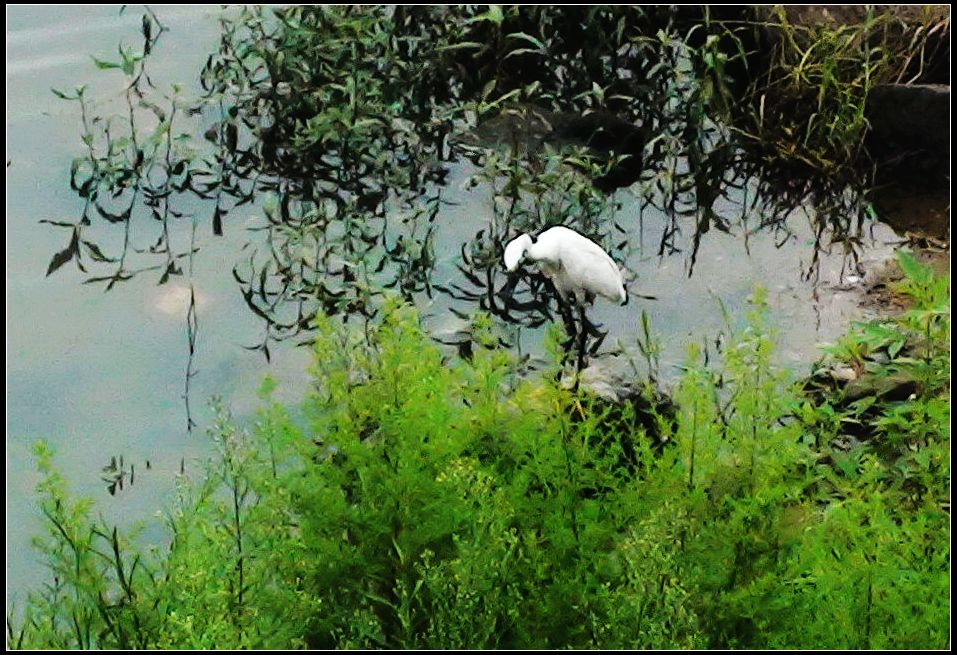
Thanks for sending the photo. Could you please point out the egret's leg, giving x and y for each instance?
(593, 330)
(582, 337)
(571, 331)
(569, 319)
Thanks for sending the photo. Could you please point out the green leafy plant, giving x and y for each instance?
(424, 501)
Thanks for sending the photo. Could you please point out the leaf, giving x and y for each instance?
(64, 255)
(96, 253)
(104, 65)
(156, 109)
(913, 269)
(527, 37)
(366, 122)
(81, 187)
(94, 280)
(147, 27)
(218, 221)
(119, 276)
(460, 46)
(171, 269)
(895, 348)
(267, 387)
(114, 218)
(508, 96)
(232, 136)
(523, 51)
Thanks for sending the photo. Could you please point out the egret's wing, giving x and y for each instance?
(589, 267)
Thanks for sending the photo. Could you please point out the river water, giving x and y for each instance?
(100, 375)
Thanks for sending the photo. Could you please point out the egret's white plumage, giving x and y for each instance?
(576, 265)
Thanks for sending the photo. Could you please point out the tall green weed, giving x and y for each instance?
(424, 501)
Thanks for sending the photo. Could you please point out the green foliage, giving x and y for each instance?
(916, 347)
(93, 600)
(427, 502)
(423, 502)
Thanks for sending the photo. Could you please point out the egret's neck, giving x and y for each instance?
(516, 250)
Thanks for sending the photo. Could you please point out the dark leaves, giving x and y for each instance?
(147, 28)
(218, 221)
(171, 269)
(65, 255)
(96, 253)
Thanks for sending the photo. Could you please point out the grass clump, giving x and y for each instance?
(813, 73)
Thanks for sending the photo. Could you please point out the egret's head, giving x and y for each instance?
(515, 251)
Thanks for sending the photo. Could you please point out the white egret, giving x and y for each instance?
(577, 266)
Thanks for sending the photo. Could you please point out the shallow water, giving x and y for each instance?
(101, 374)
(805, 312)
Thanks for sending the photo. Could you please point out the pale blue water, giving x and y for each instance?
(99, 374)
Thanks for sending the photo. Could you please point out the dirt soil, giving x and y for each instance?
(917, 215)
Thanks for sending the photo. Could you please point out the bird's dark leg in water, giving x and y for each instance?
(571, 330)
(582, 338)
(593, 330)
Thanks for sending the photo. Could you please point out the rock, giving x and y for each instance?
(909, 132)
(452, 329)
(627, 410)
(842, 373)
(845, 442)
(898, 386)
(911, 116)
(609, 378)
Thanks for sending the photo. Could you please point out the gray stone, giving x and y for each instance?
(911, 116)
(845, 442)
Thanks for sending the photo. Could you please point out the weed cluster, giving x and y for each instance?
(428, 502)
